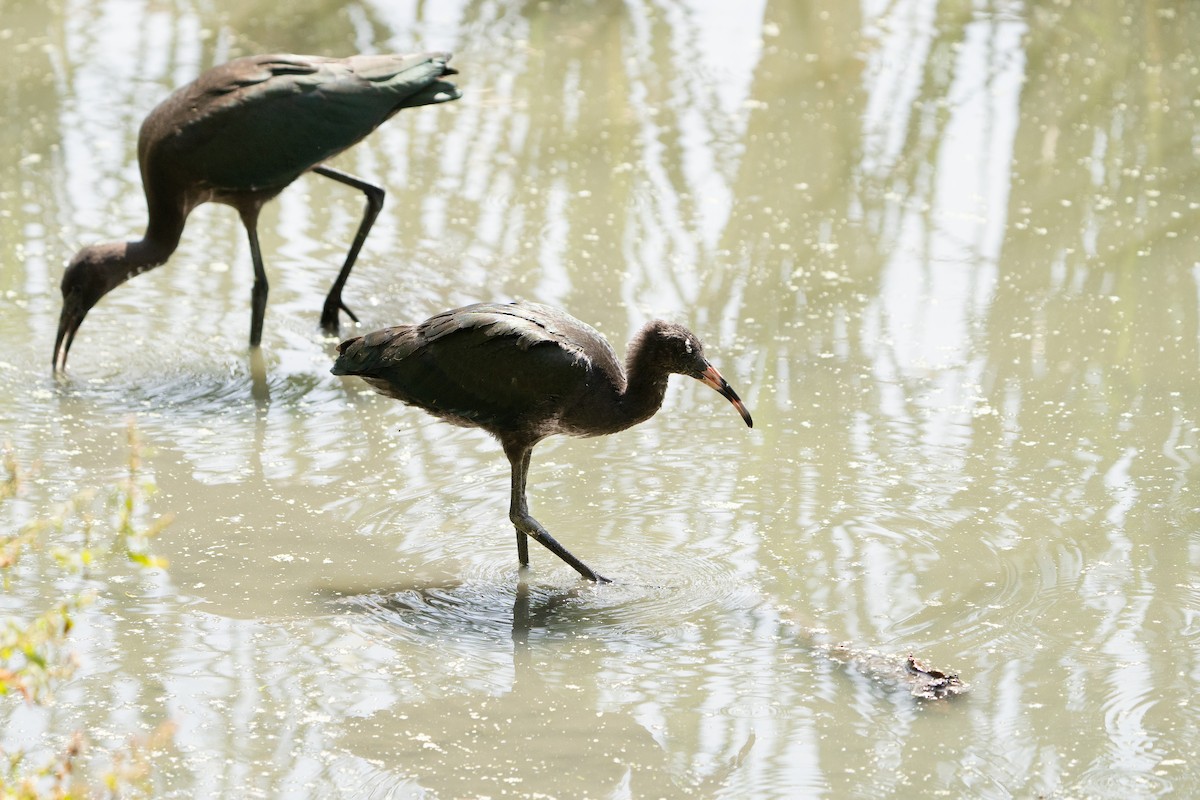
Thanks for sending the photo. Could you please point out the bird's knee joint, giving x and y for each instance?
(526, 525)
(375, 197)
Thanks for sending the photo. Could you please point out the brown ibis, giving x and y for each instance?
(238, 135)
(522, 372)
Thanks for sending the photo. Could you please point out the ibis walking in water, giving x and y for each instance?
(522, 372)
(238, 135)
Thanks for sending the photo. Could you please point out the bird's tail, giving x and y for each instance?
(413, 80)
(375, 351)
(346, 362)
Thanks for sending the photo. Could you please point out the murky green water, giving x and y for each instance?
(947, 252)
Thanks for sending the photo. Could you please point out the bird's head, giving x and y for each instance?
(92, 273)
(678, 350)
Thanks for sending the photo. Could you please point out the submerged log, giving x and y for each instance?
(906, 671)
(895, 669)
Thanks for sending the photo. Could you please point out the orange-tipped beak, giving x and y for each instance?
(710, 377)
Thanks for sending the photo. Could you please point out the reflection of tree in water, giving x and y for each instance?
(803, 256)
(1096, 287)
(1094, 318)
(1091, 340)
(574, 190)
(544, 178)
(567, 176)
(1092, 321)
(27, 180)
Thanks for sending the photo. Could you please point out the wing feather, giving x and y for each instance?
(257, 123)
(492, 365)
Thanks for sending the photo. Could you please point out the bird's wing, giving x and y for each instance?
(376, 352)
(412, 79)
(526, 323)
(489, 365)
(257, 123)
(532, 323)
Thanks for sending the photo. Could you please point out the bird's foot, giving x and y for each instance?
(527, 525)
(331, 316)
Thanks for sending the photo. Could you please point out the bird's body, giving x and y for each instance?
(522, 372)
(239, 134)
(451, 366)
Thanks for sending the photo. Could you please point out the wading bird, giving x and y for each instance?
(522, 372)
(238, 135)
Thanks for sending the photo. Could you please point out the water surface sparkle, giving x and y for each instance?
(945, 252)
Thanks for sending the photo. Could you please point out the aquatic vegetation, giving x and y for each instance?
(85, 536)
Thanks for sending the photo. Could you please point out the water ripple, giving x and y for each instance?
(649, 598)
(1107, 780)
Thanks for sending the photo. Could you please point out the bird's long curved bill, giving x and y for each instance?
(710, 377)
(67, 325)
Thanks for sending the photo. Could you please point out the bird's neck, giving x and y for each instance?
(645, 389)
(146, 254)
(112, 263)
(163, 233)
(131, 258)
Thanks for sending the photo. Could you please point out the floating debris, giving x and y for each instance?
(933, 684)
(921, 681)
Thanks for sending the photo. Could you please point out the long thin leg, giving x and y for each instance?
(375, 195)
(522, 539)
(258, 295)
(518, 512)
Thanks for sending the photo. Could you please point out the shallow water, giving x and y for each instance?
(945, 252)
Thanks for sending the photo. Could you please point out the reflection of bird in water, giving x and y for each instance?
(555, 728)
(523, 372)
(238, 135)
